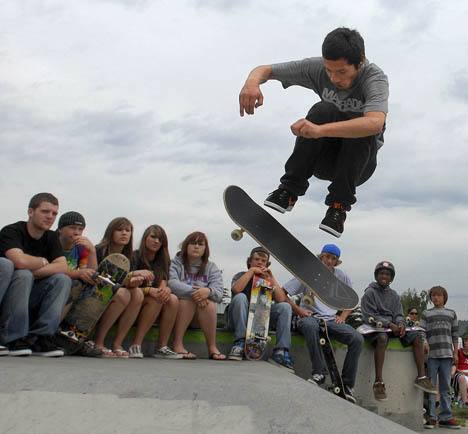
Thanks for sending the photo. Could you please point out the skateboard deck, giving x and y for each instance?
(366, 329)
(337, 385)
(84, 314)
(286, 249)
(256, 338)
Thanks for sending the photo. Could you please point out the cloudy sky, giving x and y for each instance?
(130, 108)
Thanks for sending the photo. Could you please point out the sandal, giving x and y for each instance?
(217, 356)
(187, 355)
(121, 353)
(106, 353)
(135, 352)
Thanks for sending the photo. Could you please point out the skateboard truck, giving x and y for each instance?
(237, 234)
(107, 279)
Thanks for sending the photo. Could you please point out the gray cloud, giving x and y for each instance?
(458, 89)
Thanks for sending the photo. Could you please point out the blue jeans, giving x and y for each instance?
(440, 369)
(33, 307)
(280, 318)
(344, 333)
(6, 273)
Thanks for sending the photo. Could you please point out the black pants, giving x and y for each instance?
(347, 163)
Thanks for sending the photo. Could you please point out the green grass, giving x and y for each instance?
(222, 336)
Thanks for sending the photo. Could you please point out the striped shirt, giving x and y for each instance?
(441, 325)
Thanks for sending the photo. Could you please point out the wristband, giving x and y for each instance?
(146, 290)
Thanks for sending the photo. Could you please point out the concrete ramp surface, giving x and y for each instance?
(75, 395)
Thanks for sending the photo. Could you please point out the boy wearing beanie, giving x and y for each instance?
(79, 250)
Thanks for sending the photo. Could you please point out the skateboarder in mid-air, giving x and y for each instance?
(339, 138)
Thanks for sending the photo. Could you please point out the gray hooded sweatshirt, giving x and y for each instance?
(184, 282)
(383, 304)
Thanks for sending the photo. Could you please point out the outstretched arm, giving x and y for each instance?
(250, 96)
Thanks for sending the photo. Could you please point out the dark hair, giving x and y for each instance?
(344, 43)
(192, 238)
(439, 290)
(38, 198)
(107, 244)
(413, 308)
(260, 251)
(160, 265)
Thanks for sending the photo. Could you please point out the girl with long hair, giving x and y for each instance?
(152, 261)
(198, 284)
(126, 302)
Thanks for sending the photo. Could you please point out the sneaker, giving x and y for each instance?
(281, 200)
(167, 353)
(430, 423)
(134, 352)
(3, 351)
(283, 358)
(451, 423)
(237, 352)
(19, 347)
(349, 393)
(334, 219)
(425, 384)
(45, 347)
(317, 379)
(379, 391)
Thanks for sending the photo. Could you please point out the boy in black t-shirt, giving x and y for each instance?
(38, 289)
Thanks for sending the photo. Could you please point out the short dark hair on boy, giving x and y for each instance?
(344, 43)
(38, 198)
(439, 290)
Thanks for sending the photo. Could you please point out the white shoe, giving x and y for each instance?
(134, 352)
(167, 353)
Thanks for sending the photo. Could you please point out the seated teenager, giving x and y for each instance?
(461, 373)
(383, 304)
(238, 311)
(38, 288)
(79, 251)
(152, 261)
(126, 302)
(308, 325)
(198, 284)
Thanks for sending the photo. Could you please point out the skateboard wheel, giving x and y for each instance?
(379, 324)
(237, 234)
(322, 341)
(308, 300)
(336, 390)
(268, 339)
(371, 320)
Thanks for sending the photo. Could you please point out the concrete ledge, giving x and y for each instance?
(405, 402)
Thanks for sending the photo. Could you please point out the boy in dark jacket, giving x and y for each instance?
(383, 304)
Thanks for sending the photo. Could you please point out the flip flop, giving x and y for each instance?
(217, 356)
(106, 353)
(121, 353)
(188, 355)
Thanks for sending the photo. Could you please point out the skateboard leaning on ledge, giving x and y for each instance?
(286, 249)
(86, 311)
(337, 386)
(256, 338)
